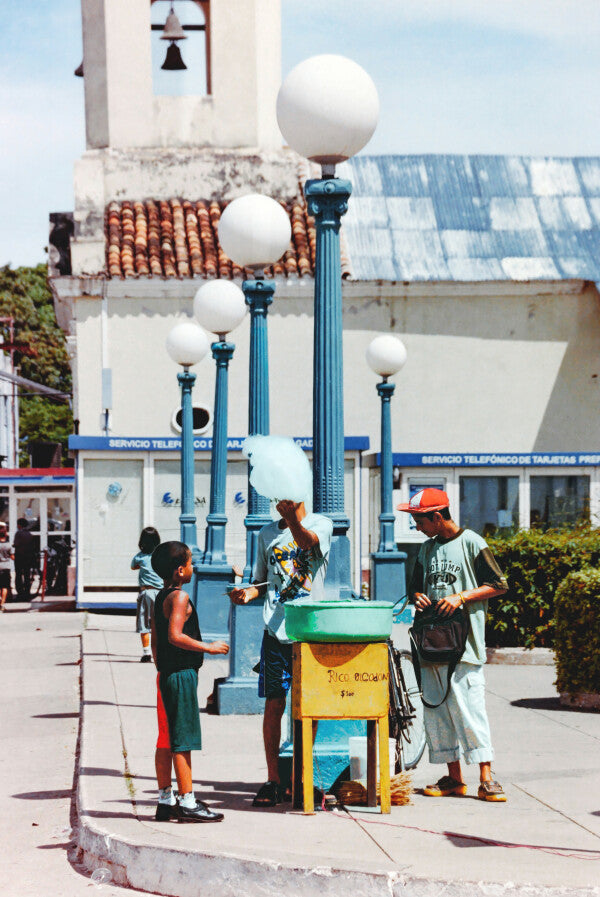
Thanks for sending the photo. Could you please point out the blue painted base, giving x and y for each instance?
(211, 600)
(239, 693)
(337, 579)
(388, 575)
(330, 753)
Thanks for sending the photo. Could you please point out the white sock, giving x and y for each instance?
(188, 800)
(146, 649)
(166, 796)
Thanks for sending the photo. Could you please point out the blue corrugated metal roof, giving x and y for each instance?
(470, 218)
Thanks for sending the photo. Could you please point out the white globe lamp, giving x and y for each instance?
(219, 306)
(327, 109)
(254, 231)
(386, 355)
(187, 344)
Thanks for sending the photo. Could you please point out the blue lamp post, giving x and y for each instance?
(187, 344)
(386, 355)
(219, 306)
(327, 109)
(254, 232)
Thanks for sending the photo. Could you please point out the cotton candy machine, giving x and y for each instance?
(338, 621)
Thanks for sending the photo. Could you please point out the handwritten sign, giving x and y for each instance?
(340, 680)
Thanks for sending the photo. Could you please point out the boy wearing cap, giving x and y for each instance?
(455, 567)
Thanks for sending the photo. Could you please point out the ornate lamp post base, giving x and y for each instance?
(388, 575)
(239, 692)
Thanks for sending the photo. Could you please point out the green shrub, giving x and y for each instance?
(577, 634)
(535, 563)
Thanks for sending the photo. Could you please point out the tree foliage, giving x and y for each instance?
(577, 640)
(25, 296)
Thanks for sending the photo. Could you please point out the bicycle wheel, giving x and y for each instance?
(413, 731)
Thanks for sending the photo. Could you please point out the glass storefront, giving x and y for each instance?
(557, 501)
(489, 503)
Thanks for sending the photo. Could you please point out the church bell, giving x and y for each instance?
(173, 32)
(173, 61)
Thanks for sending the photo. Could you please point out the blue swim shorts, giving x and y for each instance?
(275, 676)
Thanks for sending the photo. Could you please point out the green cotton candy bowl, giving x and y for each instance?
(338, 621)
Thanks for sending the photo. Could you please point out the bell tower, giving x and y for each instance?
(233, 107)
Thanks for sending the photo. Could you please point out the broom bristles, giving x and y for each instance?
(354, 793)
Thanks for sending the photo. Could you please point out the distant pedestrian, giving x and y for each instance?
(149, 583)
(455, 567)
(178, 653)
(6, 554)
(24, 554)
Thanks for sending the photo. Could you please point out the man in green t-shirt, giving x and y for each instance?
(455, 567)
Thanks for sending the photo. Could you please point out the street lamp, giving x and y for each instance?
(327, 109)
(187, 344)
(254, 232)
(386, 355)
(219, 307)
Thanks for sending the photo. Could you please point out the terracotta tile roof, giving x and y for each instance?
(178, 238)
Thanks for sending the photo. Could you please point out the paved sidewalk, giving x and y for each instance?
(547, 760)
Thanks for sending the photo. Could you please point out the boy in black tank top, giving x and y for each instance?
(178, 653)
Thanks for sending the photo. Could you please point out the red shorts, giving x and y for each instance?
(163, 740)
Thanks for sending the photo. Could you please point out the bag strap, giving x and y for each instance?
(417, 666)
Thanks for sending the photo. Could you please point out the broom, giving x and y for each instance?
(354, 793)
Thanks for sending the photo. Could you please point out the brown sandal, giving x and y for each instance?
(492, 792)
(446, 787)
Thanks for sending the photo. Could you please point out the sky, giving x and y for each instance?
(454, 76)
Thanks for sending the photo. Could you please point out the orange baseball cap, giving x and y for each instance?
(425, 501)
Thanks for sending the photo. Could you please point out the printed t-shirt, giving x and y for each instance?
(446, 567)
(146, 575)
(289, 571)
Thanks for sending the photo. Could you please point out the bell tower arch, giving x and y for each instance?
(234, 107)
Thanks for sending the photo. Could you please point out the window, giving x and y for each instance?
(557, 501)
(4, 506)
(489, 503)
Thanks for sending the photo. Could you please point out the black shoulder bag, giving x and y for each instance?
(438, 639)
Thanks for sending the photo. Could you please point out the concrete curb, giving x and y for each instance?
(146, 864)
(517, 656)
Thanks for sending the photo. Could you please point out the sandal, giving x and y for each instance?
(268, 795)
(446, 787)
(491, 791)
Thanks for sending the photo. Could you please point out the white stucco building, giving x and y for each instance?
(486, 267)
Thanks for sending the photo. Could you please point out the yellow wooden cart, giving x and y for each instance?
(344, 680)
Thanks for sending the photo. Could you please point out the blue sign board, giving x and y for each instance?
(173, 444)
(499, 459)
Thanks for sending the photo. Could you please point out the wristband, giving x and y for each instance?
(462, 599)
